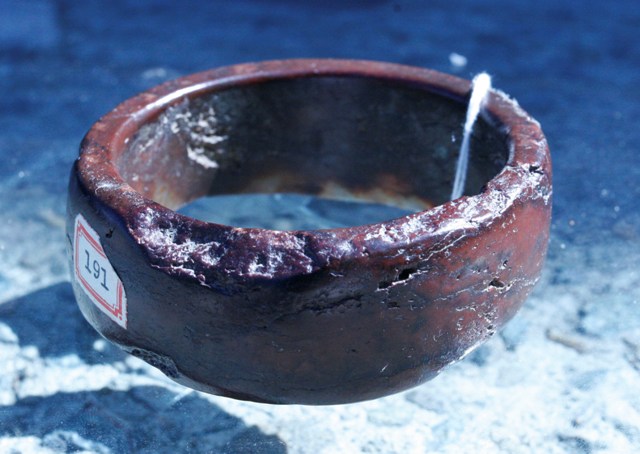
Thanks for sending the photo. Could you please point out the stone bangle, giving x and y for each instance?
(315, 316)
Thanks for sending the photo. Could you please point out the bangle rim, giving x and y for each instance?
(526, 175)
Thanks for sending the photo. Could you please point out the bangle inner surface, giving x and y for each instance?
(337, 137)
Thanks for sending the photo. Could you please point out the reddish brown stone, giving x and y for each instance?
(312, 317)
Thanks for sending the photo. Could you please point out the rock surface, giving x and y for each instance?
(561, 378)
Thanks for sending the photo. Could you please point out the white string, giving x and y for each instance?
(481, 85)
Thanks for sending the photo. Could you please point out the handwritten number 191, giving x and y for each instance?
(95, 270)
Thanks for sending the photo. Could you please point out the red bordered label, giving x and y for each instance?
(96, 276)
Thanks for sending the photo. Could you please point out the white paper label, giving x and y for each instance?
(96, 276)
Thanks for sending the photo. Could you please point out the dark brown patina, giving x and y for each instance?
(324, 316)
